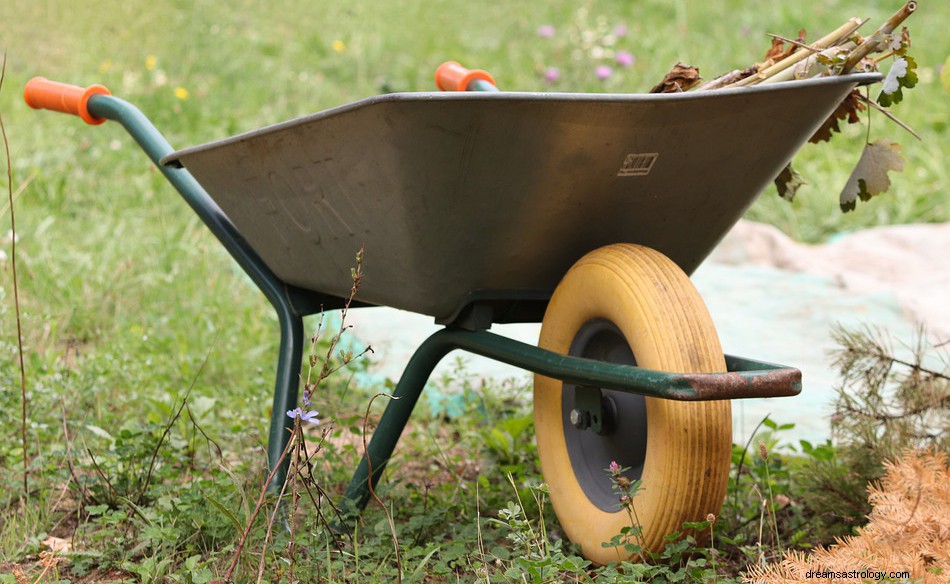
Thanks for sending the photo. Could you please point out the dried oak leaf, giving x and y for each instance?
(778, 51)
(847, 110)
(869, 176)
(681, 78)
(788, 182)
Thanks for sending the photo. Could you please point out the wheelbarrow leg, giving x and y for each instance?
(394, 419)
(285, 393)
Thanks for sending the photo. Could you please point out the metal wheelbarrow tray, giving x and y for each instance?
(472, 197)
(473, 207)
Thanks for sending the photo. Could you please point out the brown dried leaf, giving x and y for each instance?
(778, 51)
(847, 110)
(788, 182)
(681, 78)
(869, 177)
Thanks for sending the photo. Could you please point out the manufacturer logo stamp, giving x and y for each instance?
(638, 164)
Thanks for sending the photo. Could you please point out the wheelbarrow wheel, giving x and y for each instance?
(630, 304)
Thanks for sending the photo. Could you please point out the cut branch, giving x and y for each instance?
(835, 37)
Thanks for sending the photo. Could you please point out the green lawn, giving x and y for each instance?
(127, 302)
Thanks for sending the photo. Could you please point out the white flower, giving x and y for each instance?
(898, 71)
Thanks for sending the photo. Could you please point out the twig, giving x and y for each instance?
(729, 78)
(257, 509)
(798, 44)
(168, 427)
(889, 115)
(880, 58)
(273, 517)
(69, 457)
(198, 427)
(872, 43)
(322, 494)
(478, 523)
(16, 289)
(50, 561)
(330, 371)
(742, 458)
(916, 367)
(101, 474)
(21, 188)
(831, 39)
(372, 491)
(294, 506)
(151, 465)
(326, 371)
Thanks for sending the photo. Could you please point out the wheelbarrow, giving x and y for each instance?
(585, 212)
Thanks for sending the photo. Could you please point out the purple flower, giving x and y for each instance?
(603, 72)
(551, 74)
(546, 31)
(625, 58)
(620, 31)
(310, 416)
(306, 397)
(614, 468)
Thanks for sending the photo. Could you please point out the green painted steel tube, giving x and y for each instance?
(397, 413)
(155, 146)
(746, 379)
(481, 85)
(280, 296)
(286, 385)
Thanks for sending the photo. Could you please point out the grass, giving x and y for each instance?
(128, 302)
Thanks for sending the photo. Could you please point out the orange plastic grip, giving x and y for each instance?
(42, 93)
(451, 76)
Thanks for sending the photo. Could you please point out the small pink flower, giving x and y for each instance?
(551, 74)
(546, 31)
(625, 59)
(620, 30)
(614, 468)
(603, 72)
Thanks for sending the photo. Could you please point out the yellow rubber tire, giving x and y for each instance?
(689, 444)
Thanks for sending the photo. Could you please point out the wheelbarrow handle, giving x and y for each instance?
(41, 93)
(451, 76)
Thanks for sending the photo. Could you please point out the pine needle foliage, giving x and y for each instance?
(888, 401)
(907, 537)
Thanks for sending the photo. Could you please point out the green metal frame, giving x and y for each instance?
(746, 378)
(291, 304)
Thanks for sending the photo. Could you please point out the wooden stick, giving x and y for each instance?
(872, 43)
(857, 52)
(804, 69)
(798, 44)
(831, 39)
(889, 115)
(727, 79)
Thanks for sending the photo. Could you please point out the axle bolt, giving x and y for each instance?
(580, 419)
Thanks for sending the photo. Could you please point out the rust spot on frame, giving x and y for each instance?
(770, 383)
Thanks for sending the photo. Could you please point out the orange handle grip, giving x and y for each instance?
(41, 93)
(451, 76)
